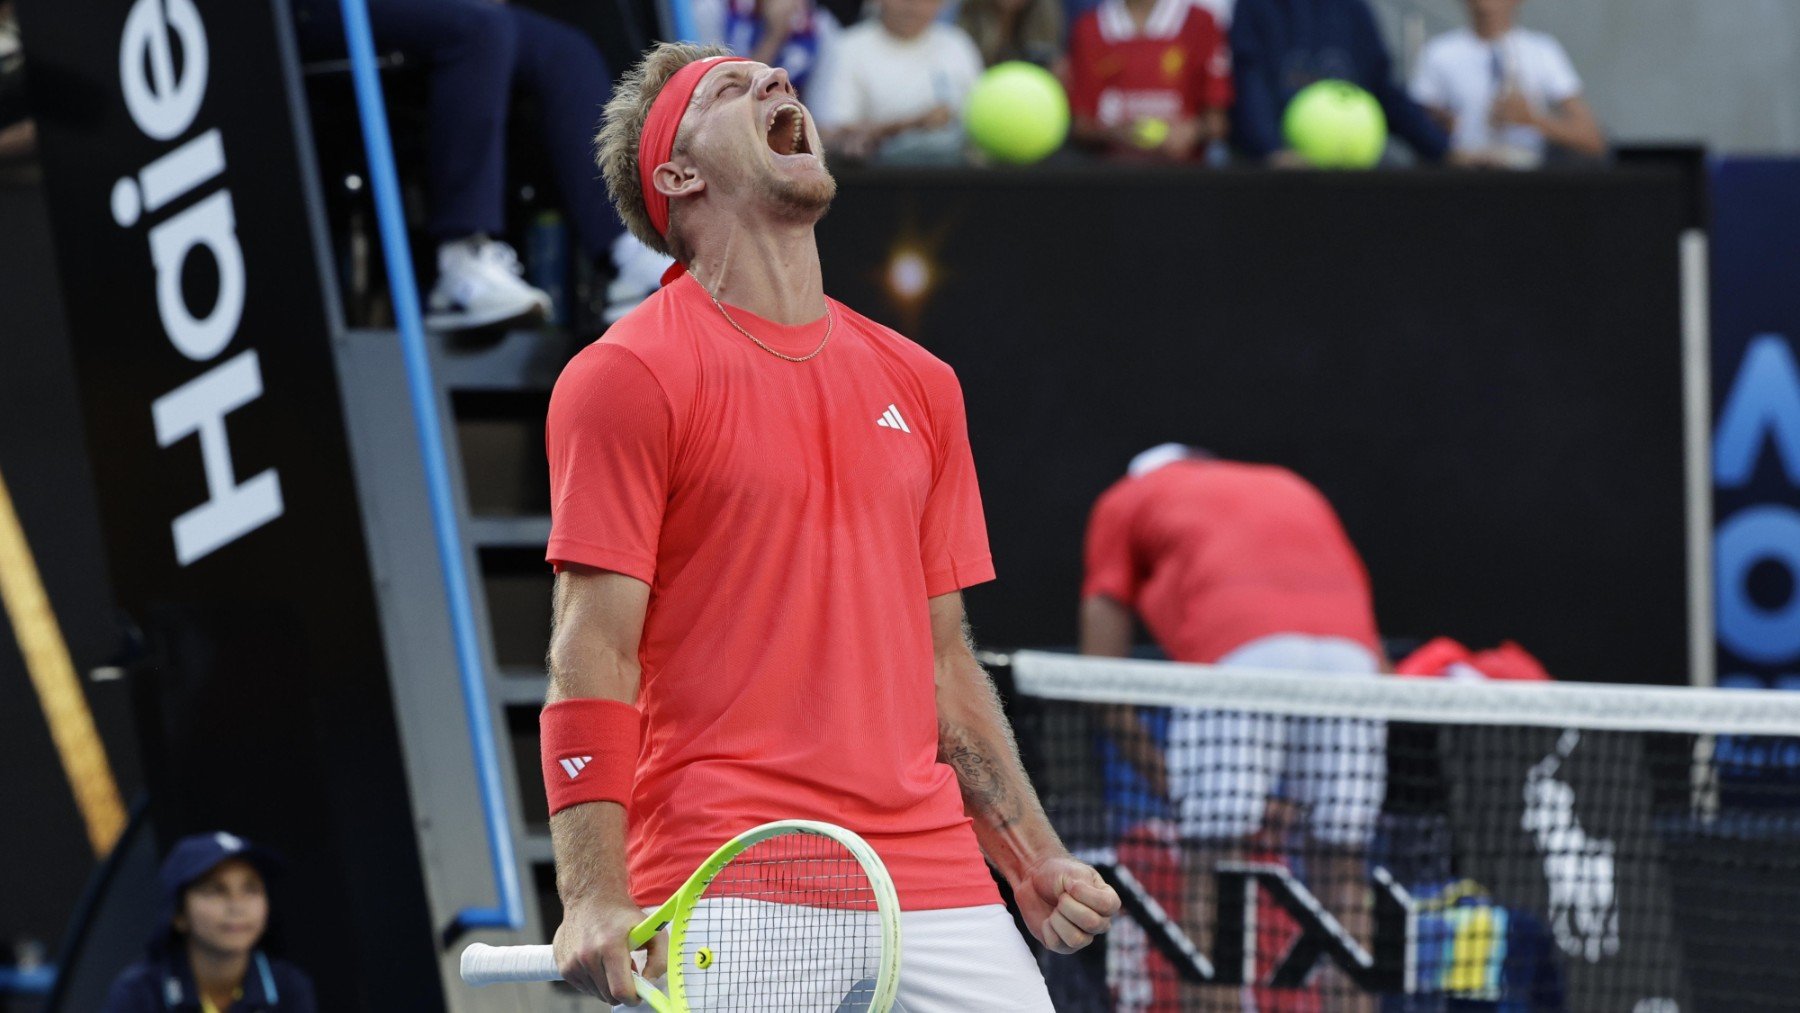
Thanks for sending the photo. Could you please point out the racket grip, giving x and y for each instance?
(490, 965)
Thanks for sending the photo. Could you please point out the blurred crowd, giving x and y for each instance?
(1188, 82)
(1167, 80)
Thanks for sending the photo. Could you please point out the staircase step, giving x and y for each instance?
(527, 532)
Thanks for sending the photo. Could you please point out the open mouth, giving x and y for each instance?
(787, 131)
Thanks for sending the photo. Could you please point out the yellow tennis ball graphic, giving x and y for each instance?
(1336, 125)
(1017, 113)
(703, 957)
(1150, 132)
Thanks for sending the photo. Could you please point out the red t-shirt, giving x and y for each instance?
(1176, 67)
(1214, 554)
(791, 540)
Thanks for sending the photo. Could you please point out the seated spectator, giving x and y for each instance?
(790, 34)
(1028, 30)
(477, 51)
(1280, 46)
(203, 955)
(1150, 78)
(1505, 93)
(893, 87)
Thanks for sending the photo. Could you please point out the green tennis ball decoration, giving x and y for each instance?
(1150, 132)
(1335, 125)
(1017, 113)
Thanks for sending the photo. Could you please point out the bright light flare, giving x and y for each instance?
(909, 275)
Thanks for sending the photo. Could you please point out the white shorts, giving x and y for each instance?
(957, 960)
(1225, 765)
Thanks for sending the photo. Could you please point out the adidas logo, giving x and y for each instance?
(892, 420)
(574, 765)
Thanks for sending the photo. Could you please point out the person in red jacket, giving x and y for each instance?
(1243, 565)
(1150, 78)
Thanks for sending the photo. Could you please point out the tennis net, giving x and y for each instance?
(1289, 841)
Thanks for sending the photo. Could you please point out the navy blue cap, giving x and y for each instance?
(198, 854)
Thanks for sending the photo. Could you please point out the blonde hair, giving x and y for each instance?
(622, 127)
(1040, 30)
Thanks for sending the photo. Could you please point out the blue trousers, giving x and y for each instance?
(477, 52)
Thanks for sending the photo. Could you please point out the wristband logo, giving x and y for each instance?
(574, 765)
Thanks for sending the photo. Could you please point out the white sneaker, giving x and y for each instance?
(640, 274)
(480, 283)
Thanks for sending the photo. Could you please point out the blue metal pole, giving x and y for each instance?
(510, 914)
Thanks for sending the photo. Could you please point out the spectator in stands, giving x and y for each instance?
(204, 954)
(1028, 30)
(790, 34)
(1505, 93)
(1149, 78)
(1280, 46)
(477, 52)
(893, 87)
(1246, 565)
(18, 132)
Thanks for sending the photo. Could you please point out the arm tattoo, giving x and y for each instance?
(983, 781)
(986, 770)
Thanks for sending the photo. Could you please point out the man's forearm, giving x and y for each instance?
(975, 739)
(589, 843)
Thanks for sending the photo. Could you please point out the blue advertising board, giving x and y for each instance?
(1756, 434)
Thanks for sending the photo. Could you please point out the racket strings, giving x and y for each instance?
(791, 923)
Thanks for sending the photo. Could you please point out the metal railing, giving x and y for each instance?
(509, 913)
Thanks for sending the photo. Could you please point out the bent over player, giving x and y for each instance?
(1248, 565)
(763, 512)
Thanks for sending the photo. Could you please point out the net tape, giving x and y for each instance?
(1600, 707)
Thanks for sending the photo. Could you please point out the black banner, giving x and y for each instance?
(202, 339)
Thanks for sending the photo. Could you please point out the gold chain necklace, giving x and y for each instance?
(829, 321)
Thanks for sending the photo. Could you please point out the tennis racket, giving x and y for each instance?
(792, 915)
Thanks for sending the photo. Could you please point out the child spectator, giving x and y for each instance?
(1505, 93)
(1151, 77)
(1280, 46)
(893, 87)
(1029, 30)
(203, 956)
(790, 34)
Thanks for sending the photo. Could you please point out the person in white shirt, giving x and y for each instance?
(893, 87)
(1505, 93)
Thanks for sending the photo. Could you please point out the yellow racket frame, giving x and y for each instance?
(675, 912)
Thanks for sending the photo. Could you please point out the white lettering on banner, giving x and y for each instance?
(167, 178)
(211, 224)
(231, 510)
(163, 100)
(162, 104)
(1578, 868)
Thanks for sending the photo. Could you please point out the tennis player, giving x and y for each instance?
(764, 510)
(1248, 565)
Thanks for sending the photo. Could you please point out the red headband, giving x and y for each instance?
(658, 140)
